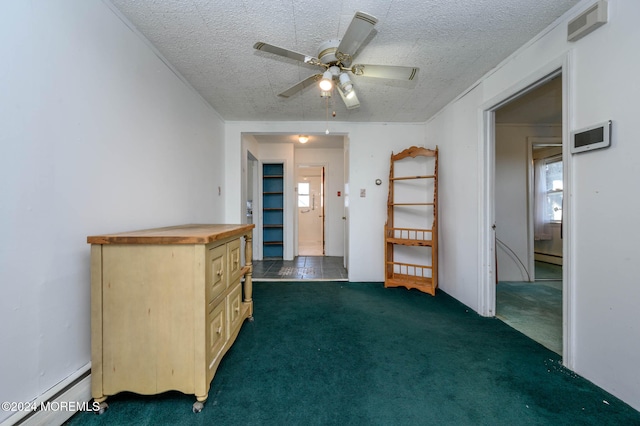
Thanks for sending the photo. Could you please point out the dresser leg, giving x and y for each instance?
(199, 404)
(102, 404)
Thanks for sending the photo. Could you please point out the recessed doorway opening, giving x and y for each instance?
(529, 186)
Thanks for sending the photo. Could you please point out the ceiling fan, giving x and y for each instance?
(336, 57)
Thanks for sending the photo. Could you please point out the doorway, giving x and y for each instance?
(311, 211)
(252, 197)
(529, 182)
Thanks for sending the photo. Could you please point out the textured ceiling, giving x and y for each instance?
(454, 43)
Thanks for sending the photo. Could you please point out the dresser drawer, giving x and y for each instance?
(215, 272)
(233, 257)
(216, 331)
(234, 307)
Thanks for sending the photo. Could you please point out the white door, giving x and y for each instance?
(310, 211)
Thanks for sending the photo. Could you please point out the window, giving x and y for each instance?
(303, 194)
(548, 195)
(553, 177)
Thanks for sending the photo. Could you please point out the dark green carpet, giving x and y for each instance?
(322, 353)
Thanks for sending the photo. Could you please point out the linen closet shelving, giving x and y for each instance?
(273, 210)
(411, 231)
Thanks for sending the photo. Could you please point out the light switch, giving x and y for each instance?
(363, 192)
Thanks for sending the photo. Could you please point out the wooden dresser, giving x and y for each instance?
(166, 305)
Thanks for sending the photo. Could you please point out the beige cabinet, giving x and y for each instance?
(166, 305)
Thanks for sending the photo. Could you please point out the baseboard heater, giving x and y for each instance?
(59, 403)
(547, 254)
(554, 259)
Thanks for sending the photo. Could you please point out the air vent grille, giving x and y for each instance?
(587, 21)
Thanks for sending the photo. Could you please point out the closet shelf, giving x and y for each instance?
(272, 210)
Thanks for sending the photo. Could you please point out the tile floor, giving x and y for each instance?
(316, 268)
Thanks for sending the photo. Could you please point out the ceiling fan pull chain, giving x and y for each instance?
(327, 108)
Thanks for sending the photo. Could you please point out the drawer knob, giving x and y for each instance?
(219, 273)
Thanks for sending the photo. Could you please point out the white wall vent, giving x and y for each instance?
(587, 21)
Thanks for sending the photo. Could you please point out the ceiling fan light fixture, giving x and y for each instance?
(303, 138)
(346, 85)
(326, 83)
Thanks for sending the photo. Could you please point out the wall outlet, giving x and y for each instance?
(363, 192)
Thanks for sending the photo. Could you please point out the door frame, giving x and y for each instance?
(296, 224)
(486, 189)
(254, 164)
(345, 202)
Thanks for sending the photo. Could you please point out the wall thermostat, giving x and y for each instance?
(592, 137)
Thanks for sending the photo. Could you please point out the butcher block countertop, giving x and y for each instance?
(181, 234)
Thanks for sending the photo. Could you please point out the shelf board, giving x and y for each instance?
(410, 242)
(411, 204)
(272, 243)
(409, 281)
(277, 225)
(412, 177)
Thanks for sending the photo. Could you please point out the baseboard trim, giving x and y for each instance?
(58, 404)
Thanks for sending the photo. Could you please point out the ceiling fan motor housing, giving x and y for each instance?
(328, 50)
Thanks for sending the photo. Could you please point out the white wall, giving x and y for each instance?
(333, 161)
(455, 130)
(604, 338)
(370, 148)
(98, 135)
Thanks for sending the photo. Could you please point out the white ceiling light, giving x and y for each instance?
(326, 83)
(303, 138)
(346, 85)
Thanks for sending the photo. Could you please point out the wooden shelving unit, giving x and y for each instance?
(419, 242)
(272, 210)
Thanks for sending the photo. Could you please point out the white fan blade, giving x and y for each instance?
(265, 47)
(385, 71)
(351, 102)
(298, 87)
(358, 30)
